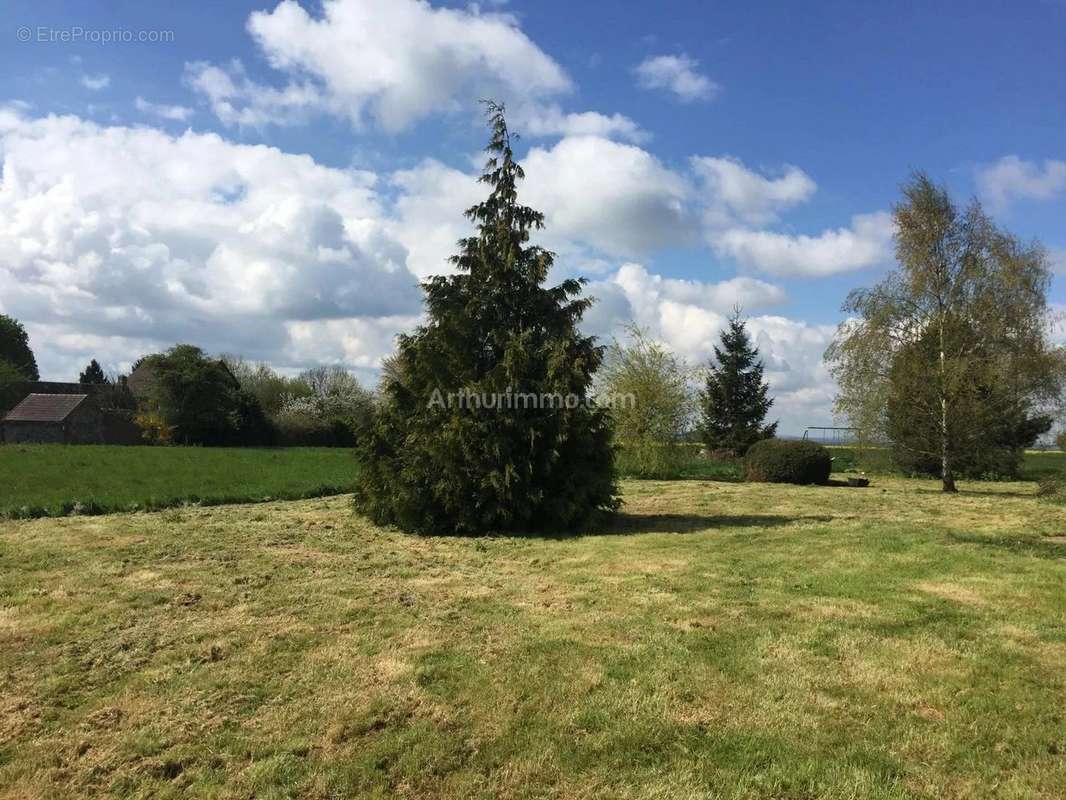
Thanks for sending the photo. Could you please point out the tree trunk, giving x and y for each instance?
(947, 475)
(946, 472)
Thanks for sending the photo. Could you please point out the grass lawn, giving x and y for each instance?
(44, 480)
(716, 640)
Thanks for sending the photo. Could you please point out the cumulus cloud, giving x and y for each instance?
(174, 113)
(127, 239)
(1012, 178)
(606, 200)
(550, 120)
(428, 213)
(614, 197)
(676, 74)
(389, 61)
(598, 195)
(735, 192)
(722, 297)
(866, 242)
(95, 83)
(237, 100)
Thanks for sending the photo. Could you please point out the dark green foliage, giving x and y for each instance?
(987, 435)
(735, 400)
(11, 391)
(15, 348)
(493, 328)
(116, 396)
(787, 461)
(93, 374)
(202, 400)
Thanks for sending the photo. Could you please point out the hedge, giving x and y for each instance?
(787, 461)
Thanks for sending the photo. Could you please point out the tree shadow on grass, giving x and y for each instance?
(964, 492)
(623, 524)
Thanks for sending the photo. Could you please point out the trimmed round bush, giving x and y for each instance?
(787, 461)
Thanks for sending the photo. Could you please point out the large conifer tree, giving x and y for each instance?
(432, 465)
(735, 400)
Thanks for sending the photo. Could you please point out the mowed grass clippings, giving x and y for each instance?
(55, 480)
(715, 640)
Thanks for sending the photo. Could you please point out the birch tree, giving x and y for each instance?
(948, 357)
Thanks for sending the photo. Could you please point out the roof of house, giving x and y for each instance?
(45, 408)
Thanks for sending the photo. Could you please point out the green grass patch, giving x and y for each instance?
(56, 480)
(724, 640)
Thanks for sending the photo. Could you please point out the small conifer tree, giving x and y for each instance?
(93, 374)
(735, 400)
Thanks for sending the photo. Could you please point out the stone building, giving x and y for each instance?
(55, 418)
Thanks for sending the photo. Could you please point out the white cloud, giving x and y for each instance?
(124, 238)
(866, 242)
(389, 61)
(428, 214)
(614, 197)
(599, 196)
(95, 83)
(609, 199)
(721, 297)
(550, 120)
(736, 192)
(237, 100)
(1012, 178)
(163, 111)
(676, 74)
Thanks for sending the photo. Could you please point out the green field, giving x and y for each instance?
(722, 640)
(56, 480)
(48, 480)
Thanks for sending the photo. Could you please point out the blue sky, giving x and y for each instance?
(724, 153)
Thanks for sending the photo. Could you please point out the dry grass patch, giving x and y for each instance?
(725, 640)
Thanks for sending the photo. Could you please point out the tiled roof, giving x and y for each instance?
(45, 408)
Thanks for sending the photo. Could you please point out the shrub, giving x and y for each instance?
(154, 428)
(785, 461)
(1060, 440)
(650, 460)
(646, 389)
